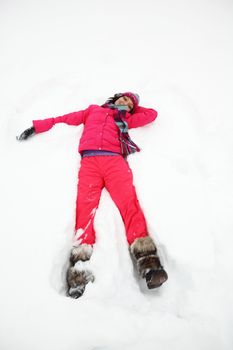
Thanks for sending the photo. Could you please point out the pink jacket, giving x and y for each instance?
(100, 130)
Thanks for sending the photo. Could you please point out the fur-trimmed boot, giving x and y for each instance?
(148, 264)
(78, 274)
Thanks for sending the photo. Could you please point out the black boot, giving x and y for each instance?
(155, 278)
(148, 263)
(78, 274)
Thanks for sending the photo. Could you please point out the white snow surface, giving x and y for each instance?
(60, 56)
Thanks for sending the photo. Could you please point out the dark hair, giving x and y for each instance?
(114, 98)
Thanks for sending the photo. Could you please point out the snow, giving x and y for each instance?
(61, 56)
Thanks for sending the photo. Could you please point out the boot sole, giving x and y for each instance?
(157, 278)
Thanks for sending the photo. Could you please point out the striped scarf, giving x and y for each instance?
(127, 145)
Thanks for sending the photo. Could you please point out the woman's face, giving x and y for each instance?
(125, 101)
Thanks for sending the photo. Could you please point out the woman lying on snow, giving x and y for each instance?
(104, 146)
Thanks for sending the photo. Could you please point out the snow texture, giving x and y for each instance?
(60, 56)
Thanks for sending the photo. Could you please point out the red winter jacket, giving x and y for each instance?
(100, 130)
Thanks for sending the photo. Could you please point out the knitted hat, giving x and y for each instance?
(133, 97)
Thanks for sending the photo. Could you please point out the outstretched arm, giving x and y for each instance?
(43, 125)
(141, 117)
(75, 118)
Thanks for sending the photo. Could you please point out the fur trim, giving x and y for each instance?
(82, 252)
(142, 247)
(77, 281)
(147, 263)
(76, 278)
(144, 251)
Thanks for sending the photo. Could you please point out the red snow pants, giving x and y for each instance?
(113, 173)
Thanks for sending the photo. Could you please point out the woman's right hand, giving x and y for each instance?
(26, 134)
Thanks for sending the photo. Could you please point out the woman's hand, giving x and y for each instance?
(26, 134)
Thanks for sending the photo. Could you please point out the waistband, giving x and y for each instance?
(92, 153)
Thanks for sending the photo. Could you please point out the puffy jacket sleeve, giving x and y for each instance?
(74, 118)
(141, 117)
